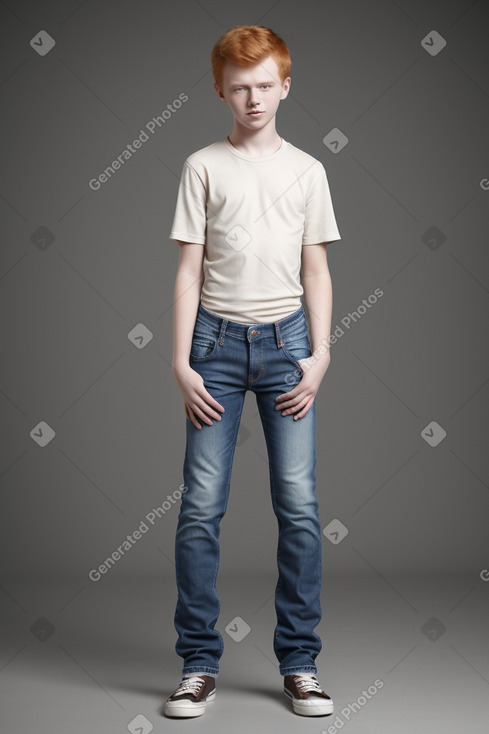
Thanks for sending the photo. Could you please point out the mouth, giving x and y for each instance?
(256, 113)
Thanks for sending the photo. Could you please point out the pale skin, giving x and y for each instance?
(244, 89)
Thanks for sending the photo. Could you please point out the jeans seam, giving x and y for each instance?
(274, 506)
(226, 499)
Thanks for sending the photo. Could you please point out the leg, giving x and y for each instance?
(292, 461)
(207, 473)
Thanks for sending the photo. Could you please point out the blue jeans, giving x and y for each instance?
(233, 358)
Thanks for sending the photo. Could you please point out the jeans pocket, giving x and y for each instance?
(297, 347)
(202, 348)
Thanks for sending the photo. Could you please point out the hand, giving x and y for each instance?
(298, 401)
(199, 403)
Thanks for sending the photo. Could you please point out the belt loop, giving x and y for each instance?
(222, 331)
(277, 335)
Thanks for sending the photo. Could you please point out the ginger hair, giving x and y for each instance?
(247, 45)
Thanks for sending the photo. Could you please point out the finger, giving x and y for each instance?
(216, 404)
(297, 406)
(305, 410)
(202, 414)
(291, 401)
(209, 400)
(287, 395)
(216, 416)
(206, 408)
(190, 415)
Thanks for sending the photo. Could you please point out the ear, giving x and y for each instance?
(285, 87)
(219, 92)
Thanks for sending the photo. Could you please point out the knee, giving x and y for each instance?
(201, 508)
(296, 507)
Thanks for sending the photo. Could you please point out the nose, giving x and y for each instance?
(253, 99)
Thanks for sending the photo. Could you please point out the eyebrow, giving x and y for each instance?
(242, 84)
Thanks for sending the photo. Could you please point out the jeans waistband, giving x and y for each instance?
(251, 331)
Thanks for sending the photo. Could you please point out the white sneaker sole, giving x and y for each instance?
(186, 709)
(315, 707)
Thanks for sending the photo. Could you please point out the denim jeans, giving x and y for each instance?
(233, 358)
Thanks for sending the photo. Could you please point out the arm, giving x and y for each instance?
(318, 295)
(188, 285)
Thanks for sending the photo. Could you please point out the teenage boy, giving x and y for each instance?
(252, 219)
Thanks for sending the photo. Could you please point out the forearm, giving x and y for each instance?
(318, 296)
(186, 299)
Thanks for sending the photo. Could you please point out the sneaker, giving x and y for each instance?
(307, 696)
(191, 696)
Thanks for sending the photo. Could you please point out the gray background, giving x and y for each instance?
(405, 593)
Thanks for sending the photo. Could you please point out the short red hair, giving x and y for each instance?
(247, 45)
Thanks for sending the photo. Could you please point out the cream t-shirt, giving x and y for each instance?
(253, 215)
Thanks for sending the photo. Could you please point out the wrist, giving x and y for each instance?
(180, 364)
(322, 350)
(320, 359)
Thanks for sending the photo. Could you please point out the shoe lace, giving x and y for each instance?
(308, 683)
(189, 685)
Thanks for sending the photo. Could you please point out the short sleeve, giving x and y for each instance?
(189, 221)
(320, 221)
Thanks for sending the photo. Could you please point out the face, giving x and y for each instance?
(253, 94)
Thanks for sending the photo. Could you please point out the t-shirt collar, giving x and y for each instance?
(253, 159)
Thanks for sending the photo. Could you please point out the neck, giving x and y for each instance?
(256, 143)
